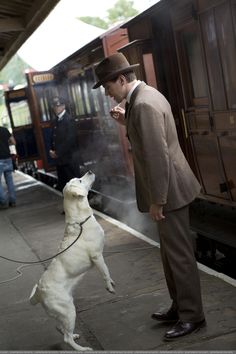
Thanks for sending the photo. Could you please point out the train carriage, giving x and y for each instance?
(187, 50)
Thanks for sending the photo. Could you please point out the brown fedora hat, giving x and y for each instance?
(111, 67)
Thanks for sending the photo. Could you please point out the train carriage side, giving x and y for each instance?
(197, 39)
(103, 146)
(193, 52)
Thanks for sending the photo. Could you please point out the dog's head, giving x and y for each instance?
(75, 194)
(79, 186)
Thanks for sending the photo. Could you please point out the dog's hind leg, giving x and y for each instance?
(98, 260)
(61, 330)
(66, 320)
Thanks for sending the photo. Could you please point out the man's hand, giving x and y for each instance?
(53, 154)
(156, 212)
(118, 113)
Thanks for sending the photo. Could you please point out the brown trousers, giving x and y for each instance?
(180, 265)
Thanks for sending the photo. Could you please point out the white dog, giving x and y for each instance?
(54, 289)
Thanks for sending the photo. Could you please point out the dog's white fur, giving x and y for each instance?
(54, 289)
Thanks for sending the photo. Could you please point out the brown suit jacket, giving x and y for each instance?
(162, 173)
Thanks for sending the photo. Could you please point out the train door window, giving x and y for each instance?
(214, 67)
(20, 113)
(193, 57)
(227, 49)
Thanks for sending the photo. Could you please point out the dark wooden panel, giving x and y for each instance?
(228, 151)
(199, 121)
(182, 12)
(140, 30)
(206, 4)
(206, 153)
(225, 120)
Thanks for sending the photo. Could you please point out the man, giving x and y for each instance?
(6, 169)
(63, 143)
(165, 186)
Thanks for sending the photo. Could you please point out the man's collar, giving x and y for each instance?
(132, 90)
(61, 115)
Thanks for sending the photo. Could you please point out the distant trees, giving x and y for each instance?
(121, 11)
(13, 73)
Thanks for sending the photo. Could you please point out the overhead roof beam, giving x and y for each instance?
(32, 19)
(11, 24)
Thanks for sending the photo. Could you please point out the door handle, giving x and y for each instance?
(184, 123)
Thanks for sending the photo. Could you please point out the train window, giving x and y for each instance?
(86, 98)
(213, 61)
(227, 48)
(104, 101)
(194, 55)
(77, 99)
(44, 116)
(20, 113)
(44, 95)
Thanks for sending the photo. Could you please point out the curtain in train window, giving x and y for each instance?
(82, 97)
(76, 91)
(194, 55)
(87, 95)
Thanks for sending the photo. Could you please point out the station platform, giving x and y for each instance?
(121, 322)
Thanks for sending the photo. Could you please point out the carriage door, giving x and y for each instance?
(21, 124)
(196, 114)
(42, 88)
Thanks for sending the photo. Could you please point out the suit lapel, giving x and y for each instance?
(128, 106)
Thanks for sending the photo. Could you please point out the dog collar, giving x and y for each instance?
(83, 222)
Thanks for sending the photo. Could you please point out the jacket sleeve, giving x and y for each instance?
(150, 125)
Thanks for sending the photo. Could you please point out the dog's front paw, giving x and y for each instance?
(110, 286)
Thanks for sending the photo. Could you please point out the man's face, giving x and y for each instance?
(58, 109)
(115, 89)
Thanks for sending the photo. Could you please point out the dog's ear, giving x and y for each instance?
(75, 190)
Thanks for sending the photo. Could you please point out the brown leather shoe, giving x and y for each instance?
(181, 329)
(168, 316)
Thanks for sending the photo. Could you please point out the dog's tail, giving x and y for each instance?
(35, 295)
